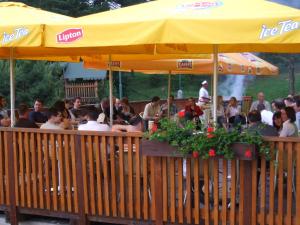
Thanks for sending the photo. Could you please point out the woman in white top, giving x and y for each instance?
(289, 128)
(233, 110)
(220, 112)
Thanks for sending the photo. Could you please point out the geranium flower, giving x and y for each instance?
(210, 129)
(209, 135)
(248, 153)
(212, 152)
(181, 114)
(154, 127)
(195, 154)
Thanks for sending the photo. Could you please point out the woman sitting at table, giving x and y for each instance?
(233, 113)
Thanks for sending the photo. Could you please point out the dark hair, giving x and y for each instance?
(60, 106)
(39, 100)
(22, 109)
(291, 114)
(155, 99)
(52, 112)
(254, 116)
(298, 102)
(92, 115)
(77, 98)
(125, 100)
(279, 104)
(276, 115)
(171, 96)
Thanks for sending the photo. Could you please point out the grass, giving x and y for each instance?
(144, 87)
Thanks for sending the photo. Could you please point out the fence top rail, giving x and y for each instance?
(74, 132)
(282, 139)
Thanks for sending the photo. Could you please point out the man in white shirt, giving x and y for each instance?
(54, 120)
(92, 125)
(297, 109)
(203, 94)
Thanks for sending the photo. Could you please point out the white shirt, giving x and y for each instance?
(203, 93)
(298, 120)
(94, 126)
(233, 111)
(288, 129)
(267, 117)
(51, 126)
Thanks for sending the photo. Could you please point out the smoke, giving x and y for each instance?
(232, 85)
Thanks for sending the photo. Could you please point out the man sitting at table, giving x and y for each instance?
(23, 120)
(91, 116)
(54, 120)
(37, 116)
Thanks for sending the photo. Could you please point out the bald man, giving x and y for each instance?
(260, 104)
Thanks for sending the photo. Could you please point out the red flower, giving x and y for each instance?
(248, 153)
(181, 114)
(154, 128)
(209, 135)
(212, 152)
(210, 129)
(195, 154)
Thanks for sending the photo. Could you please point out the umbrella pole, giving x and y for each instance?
(169, 93)
(215, 82)
(110, 94)
(12, 87)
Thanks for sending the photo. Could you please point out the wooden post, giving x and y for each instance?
(13, 214)
(246, 192)
(79, 176)
(158, 191)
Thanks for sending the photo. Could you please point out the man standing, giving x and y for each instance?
(37, 116)
(76, 107)
(260, 104)
(23, 120)
(203, 94)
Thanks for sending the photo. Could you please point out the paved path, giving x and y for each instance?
(36, 221)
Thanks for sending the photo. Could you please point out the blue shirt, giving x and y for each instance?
(37, 117)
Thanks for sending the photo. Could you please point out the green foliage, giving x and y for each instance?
(184, 136)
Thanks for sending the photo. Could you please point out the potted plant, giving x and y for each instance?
(182, 139)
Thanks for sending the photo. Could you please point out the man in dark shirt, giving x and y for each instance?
(37, 116)
(256, 126)
(76, 111)
(23, 118)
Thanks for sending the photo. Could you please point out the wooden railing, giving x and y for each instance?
(88, 91)
(102, 176)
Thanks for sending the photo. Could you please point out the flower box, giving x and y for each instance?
(242, 151)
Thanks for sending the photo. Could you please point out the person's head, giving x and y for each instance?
(77, 103)
(54, 116)
(60, 106)
(2, 101)
(171, 99)
(23, 110)
(277, 121)
(124, 101)
(105, 103)
(288, 113)
(91, 115)
(261, 97)
(205, 84)
(118, 103)
(289, 102)
(155, 100)
(254, 116)
(277, 105)
(68, 103)
(38, 105)
(233, 101)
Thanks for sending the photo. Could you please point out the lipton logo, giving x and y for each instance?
(185, 64)
(116, 64)
(69, 35)
(200, 5)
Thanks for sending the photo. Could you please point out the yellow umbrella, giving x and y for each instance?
(229, 63)
(184, 26)
(22, 37)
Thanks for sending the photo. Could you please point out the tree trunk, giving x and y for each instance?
(291, 68)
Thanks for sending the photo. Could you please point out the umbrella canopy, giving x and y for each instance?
(184, 26)
(229, 63)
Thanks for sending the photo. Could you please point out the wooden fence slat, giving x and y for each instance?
(280, 183)
(254, 193)
(68, 173)
(8, 189)
(289, 205)
(98, 176)
(61, 172)
(28, 171)
(16, 162)
(180, 190)
(145, 189)
(272, 186)
(172, 190)
(233, 193)
(263, 192)
(74, 178)
(137, 179)
(224, 193)
(106, 177)
(130, 178)
(33, 168)
(165, 189)
(40, 171)
(90, 151)
(47, 170)
(121, 176)
(216, 191)
(206, 191)
(1, 168)
(188, 208)
(297, 184)
(54, 172)
(21, 154)
(196, 191)
(84, 173)
(113, 177)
